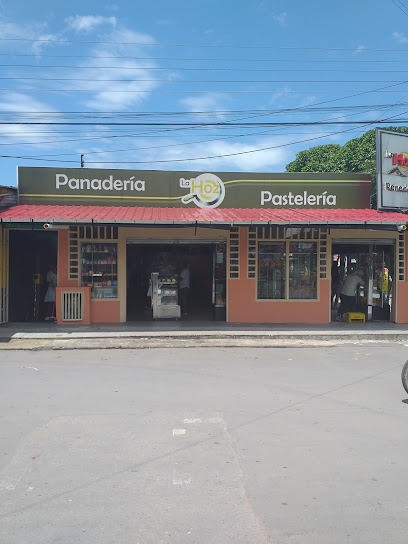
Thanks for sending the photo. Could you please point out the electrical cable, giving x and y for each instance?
(195, 69)
(200, 158)
(196, 45)
(206, 59)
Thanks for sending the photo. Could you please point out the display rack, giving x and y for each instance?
(99, 269)
(165, 297)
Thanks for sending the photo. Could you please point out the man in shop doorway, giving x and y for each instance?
(184, 288)
(50, 293)
(348, 293)
(384, 280)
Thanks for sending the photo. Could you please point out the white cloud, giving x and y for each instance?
(87, 23)
(360, 49)
(400, 37)
(281, 19)
(134, 79)
(212, 102)
(239, 159)
(31, 31)
(19, 103)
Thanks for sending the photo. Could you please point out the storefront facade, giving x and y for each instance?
(260, 247)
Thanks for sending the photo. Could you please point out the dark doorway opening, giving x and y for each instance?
(30, 254)
(376, 262)
(168, 260)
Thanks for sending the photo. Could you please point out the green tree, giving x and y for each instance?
(357, 155)
(322, 158)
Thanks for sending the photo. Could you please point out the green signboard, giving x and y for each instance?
(88, 186)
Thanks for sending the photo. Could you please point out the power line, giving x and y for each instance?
(189, 159)
(195, 45)
(341, 109)
(111, 136)
(184, 81)
(204, 124)
(183, 91)
(101, 114)
(178, 144)
(206, 59)
(195, 69)
(400, 6)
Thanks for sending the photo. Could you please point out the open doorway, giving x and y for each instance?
(206, 264)
(30, 254)
(375, 260)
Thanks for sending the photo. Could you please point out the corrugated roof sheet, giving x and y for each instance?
(114, 214)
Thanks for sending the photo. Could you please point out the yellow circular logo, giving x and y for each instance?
(206, 191)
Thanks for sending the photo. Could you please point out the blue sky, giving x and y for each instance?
(189, 68)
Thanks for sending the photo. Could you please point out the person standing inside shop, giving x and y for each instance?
(383, 282)
(184, 289)
(49, 298)
(348, 293)
(335, 283)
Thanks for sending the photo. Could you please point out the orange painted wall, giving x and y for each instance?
(402, 303)
(96, 311)
(402, 292)
(63, 261)
(105, 311)
(244, 308)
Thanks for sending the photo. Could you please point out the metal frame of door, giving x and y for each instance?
(4, 275)
(372, 249)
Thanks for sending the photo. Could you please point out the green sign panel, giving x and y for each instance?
(88, 186)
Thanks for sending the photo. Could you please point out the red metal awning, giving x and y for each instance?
(183, 216)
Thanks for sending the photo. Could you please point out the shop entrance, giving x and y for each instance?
(30, 254)
(207, 279)
(376, 260)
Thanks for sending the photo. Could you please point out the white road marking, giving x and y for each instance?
(12, 483)
(182, 481)
(32, 367)
(203, 420)
(178, 432)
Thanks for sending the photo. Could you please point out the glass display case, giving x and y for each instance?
(271, 270)
(99, 269)
(164, 297)
(303, 270)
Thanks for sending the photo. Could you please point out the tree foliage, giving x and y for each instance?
(357, 155)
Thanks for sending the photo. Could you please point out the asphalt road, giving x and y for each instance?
(243, 446)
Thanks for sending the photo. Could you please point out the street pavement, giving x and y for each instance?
(204, 445)
(171, 334)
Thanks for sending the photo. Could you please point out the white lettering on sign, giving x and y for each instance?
(304, 199)
(185, 183)
(108, 184)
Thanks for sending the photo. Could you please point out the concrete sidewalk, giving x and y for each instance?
(187, 334)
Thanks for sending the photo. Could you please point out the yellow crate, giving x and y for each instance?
(355, 316)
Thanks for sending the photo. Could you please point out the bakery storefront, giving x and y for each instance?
(259, 248)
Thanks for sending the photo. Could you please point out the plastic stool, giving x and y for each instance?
(355, 317)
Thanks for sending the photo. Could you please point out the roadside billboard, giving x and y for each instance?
(392, 170)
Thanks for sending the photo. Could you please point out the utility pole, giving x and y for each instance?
(82, 161)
